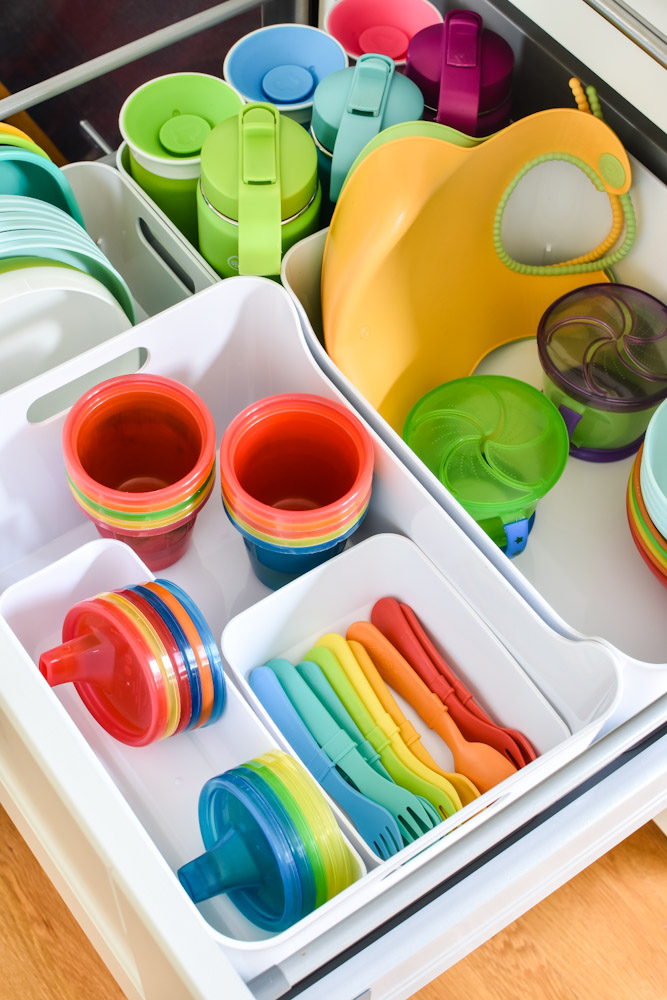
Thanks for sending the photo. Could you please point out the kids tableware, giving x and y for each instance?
(603, 351)
(259, 191)
(135, 662)
(463, 786)
(272, 843)
(400, 625)
(497, 444)
(653, 468)
(447, 223)
(24, 172)
(412, 817)
(350, 107)
(139, 452)
(283, 64)
(299, 464)
(464, 71)
(382, 26)
(337, 662)
(478, 761)
(164, 123)
(373, 822)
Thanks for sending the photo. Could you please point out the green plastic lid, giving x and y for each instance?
(496, 443)
(352, 105)
(256, 149)
(171, 116)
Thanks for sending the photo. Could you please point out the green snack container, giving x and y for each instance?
(259, 193)
(165, 123)
(497, 444)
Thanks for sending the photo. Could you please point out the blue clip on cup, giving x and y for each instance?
(282, 64)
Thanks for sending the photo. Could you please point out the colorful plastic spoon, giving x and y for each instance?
(400, 625)
(478, 761)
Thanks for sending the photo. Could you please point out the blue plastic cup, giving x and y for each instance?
(282, 64)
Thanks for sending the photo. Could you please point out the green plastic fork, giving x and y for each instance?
(331, 653)
(412, 818)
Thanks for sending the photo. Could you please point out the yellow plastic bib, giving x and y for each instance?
(416, 286)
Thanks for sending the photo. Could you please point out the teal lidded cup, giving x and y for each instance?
(259, 192)
(164, 123)
(350, 107)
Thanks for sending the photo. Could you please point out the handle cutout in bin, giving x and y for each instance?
(158, 248)
(60, 399)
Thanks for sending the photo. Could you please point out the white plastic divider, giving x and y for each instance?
(233, 343)
(580, 569)
(156, 261)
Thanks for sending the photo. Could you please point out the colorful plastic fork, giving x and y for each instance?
(372, 821)
(332, 653)
(413, 820)
(400, 625)
(484, 765)
(467, 792)
(317, 682)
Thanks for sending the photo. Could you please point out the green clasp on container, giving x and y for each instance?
(259, 198)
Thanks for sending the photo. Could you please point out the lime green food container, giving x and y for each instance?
(497, 444)
(164, 123)
(259, 193)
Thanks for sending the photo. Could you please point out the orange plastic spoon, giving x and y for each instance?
(478, 761)
(464, 787)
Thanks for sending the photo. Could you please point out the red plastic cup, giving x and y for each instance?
(140, 456)
(295, 462)
(380, 26)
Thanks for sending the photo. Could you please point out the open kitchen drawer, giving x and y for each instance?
(98, 817)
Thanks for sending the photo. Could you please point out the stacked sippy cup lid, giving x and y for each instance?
(272, 843)
(296, 474)
(140, 457)
(143, 660)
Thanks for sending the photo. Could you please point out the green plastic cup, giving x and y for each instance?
(497, 444)
(259, 191)
(165, 123)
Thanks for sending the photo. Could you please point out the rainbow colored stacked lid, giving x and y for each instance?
(140, 457)
(272, 843)
(143, 660)
(650, 542)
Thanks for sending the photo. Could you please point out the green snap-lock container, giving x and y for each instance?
(259, 192)
(497, 444)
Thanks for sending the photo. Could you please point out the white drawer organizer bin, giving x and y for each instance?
(111, 824)
(580, 541)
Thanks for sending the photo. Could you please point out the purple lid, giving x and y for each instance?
(461, 68)
(605, 345)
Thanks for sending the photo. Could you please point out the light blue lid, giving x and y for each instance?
(282, 63)
(351, 106)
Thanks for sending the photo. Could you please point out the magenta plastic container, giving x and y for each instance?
(464, 71)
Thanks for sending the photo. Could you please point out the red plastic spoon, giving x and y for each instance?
(400, 625)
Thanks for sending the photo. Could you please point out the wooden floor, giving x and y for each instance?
(601, 937)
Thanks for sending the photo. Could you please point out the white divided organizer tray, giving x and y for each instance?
(112, 824)
(51, 313)
(580, 568)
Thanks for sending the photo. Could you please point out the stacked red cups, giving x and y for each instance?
(296, 475)
(140, 457)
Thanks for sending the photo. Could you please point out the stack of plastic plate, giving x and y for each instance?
(649, 539)
(272, 843)
(143, 661)
(59, 294)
